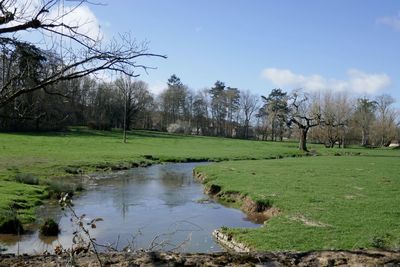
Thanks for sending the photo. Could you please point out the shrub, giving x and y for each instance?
(49, 228)
(179, 127)
(26, 178)
(56, 187)
(175, 128)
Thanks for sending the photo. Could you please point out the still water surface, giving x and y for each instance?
(136, 206)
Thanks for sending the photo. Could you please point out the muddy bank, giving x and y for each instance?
(257, 211)
(320, 258)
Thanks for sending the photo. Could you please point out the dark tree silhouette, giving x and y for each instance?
(84, 54)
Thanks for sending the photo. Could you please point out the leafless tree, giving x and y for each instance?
(336, 112)
(385, 127)
(73, 52)
(364, 118)
(249, 104)
(304, 114)
(135, 96)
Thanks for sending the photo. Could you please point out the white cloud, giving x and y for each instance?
(391, 21)
(81, 17)
(357, 81)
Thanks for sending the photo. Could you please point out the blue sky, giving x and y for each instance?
(340, 45)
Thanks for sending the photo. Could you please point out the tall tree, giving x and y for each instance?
(218, 107)
(232, 107)
(385, 128)
(200, 113)
(364, 116)
(249, 104)
(336, 110)
(276, 108)
(134, 94)
(173, 101)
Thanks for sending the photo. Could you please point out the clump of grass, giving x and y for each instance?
(10, 223)
(380, 241)
(263, 204)
(49, 228)
(26, 178)
(72, 170)
(57, 187)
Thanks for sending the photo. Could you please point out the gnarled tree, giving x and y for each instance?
(304, 114)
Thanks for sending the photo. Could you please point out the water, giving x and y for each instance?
(136, 206)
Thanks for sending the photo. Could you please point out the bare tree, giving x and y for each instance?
(304, 114)
(336, 112)
(135, 96)
(364, 117)
(249, 104)
(386, 119)
(83, 55)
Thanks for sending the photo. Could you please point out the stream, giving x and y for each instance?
(161, 206)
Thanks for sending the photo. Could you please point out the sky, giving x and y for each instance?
(347, 46)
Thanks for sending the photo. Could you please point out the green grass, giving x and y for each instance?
(46, 156)
(326, 202)
(25, 156)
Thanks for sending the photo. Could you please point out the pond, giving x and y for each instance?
(138, 205)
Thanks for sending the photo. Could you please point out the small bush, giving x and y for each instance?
(56, 187)
(26, 178)
(49, 228)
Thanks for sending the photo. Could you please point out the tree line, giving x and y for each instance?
(330, 118)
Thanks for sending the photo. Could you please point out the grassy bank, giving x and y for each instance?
(38, 158)
(327, 202)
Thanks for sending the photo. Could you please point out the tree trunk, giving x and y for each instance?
(246, 129)
(125, 117)
(364, 137)
(303, 139)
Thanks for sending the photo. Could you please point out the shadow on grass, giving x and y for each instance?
(155, 134)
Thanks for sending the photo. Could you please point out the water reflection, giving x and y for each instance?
(136, 206)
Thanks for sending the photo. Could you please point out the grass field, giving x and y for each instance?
(326, 202)
(352, 197)
(49, 155)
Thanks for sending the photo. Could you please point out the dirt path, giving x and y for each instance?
(322, 258)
